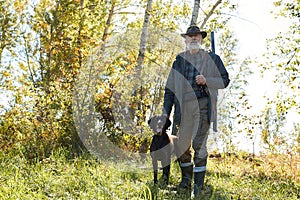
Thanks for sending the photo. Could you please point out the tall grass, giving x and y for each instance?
(84, 177)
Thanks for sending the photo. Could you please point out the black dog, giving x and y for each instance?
(162, 146)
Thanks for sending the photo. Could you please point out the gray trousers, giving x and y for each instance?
(193, 133)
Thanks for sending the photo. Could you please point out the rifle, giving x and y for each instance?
(212, 41)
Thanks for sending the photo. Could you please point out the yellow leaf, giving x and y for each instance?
(6, 74)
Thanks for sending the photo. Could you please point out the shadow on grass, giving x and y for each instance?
(160, 191)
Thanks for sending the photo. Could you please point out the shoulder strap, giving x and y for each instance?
(204, 56)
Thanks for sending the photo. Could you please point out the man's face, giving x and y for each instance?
(193, 41)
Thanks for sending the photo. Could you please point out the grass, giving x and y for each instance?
(84, 177)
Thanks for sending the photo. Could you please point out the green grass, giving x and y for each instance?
(84, 177)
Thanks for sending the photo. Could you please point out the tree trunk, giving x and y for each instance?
(144, 36)
(195, 12)
(141, 56)
(108, 22)
(107, 113)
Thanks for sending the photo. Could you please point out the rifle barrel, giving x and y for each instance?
(212, 41)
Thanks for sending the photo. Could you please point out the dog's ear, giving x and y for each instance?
(149, 121)
(168, 123)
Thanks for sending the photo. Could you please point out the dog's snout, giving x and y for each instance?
(160, 122)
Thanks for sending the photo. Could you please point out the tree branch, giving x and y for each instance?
(108, 22)
(210, 13)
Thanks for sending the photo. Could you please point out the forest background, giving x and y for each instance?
(86, 75)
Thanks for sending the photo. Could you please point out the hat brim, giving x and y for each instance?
(202, 33)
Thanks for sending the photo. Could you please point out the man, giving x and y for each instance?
(192, 87)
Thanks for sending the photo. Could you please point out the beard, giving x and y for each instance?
(193, 45)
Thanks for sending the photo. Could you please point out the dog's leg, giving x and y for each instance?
(155, 176)
(166, 169)
(155, 170)
(166, 174)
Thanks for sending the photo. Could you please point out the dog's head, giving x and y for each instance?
(159, 124)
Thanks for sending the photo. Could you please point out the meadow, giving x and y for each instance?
(85, 177)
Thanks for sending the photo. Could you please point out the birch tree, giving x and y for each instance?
(195, 12)
(138, 108)
(144, 35)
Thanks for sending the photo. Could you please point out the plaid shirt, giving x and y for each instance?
(191, 72)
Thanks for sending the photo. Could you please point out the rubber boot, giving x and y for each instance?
(186, 177)
(198, 181)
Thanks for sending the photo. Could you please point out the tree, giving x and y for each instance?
(286, 101)
(56, 42)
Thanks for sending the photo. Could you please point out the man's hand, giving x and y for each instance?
(200, 80)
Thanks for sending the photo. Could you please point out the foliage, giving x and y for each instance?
(235, 117)
(11, 18)
(50, 53)
(283, 62)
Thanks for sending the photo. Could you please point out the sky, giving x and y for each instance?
(255, 24)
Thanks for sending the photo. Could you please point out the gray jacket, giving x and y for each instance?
(212, 67)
